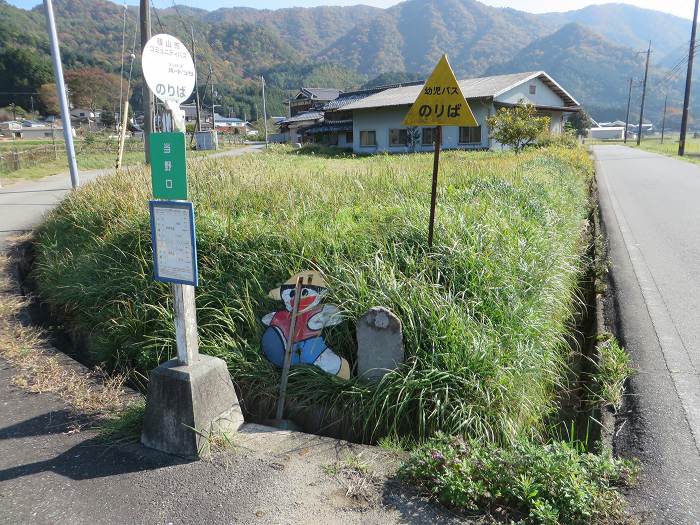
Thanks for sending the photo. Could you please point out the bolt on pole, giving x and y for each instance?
(61, 92)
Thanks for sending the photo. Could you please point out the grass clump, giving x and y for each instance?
(612, 369)
(485, 312)
(555, 484)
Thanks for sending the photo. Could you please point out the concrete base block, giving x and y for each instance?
(186, 404)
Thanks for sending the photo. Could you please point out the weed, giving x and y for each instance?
(523, 482)
(612, 369)
(123, 426)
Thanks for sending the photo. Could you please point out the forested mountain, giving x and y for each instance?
(591, 52)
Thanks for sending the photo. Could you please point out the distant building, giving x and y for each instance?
(311, 99)
(292, 128)
(608, 132)
(84, 114)
(376, 118)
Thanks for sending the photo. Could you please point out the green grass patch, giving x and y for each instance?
(612, 369)
(485, 313)
(123, 426)
(554, 484)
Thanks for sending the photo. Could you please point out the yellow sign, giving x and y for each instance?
(441, 102)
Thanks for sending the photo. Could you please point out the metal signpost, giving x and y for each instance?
(169, 72)
(192, 395)
(440, 103)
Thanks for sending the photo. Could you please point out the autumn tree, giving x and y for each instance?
(48, 98)
(92, 88)
(517, 126)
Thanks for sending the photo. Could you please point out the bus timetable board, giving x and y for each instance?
(173, 240)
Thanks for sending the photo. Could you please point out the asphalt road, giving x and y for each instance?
(651, 214)
(24, 203)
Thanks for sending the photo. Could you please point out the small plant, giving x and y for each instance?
(612, 370)
(518, 126)
(124, 426)
(553, 484)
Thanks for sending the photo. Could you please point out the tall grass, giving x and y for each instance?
(485, 312)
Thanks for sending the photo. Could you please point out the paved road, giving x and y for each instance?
(23, 204)
(651, 211)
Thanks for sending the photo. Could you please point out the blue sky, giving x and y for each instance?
(682, 8)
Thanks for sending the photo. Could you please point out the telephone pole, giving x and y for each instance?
(663, 120)
(264, 108)
(629, 100)
(688, 80)
(196, 82)
(644, 94)
(213, 118)
(145, 26)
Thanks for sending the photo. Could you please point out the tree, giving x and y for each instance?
(107, 118)
(48, 98)
(517, 126)
(22, 71)
(579, 122)
(92, 88)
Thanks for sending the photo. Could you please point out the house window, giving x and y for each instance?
(428, 138)
(348, 137)
(368, 138)
(533, 89)
(82, 114)
(398, 137)
(470, 135)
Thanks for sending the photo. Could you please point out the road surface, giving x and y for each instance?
(651, 212)
(24, 203)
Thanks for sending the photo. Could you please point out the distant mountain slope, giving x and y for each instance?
(590, 67)
(413, 34)
(630, 26)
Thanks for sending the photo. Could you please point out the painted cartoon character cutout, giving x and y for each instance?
(309, 346)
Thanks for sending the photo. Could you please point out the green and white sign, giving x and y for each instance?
(168, 168)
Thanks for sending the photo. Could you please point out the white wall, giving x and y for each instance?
(382, 120)
(543, 95)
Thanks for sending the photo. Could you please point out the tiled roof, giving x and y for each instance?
(321, 93)
(307, 115)
(481, 87)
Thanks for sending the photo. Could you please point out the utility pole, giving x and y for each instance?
(644, 94)
(196, 82)
(145, 23)
(264, 108)
(61, 92)
(213, 118)
(663, 121)
(688, 80)
(627, 118)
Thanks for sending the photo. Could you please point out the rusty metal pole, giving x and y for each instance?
(433, 195)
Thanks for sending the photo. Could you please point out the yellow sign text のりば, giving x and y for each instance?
(441, 102)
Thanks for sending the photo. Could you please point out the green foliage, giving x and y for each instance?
(528, 483)
(579, 123)
(562, 140)
(107, 118)
(393, 77)
(612, 369)
(485, 312)
(22, 71)
(518, 126)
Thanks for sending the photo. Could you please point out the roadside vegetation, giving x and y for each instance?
(486, 313)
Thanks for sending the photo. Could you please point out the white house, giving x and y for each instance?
(608, 132)
(376, 119)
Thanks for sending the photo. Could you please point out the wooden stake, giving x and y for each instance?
(433, 195)
(288, 351)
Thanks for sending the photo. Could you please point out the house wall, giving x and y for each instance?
(382, 120)
(543, 95)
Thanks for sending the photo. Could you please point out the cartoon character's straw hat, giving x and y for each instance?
(309, 278)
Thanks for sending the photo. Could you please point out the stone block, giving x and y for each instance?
(379, 343)
(186, 404)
